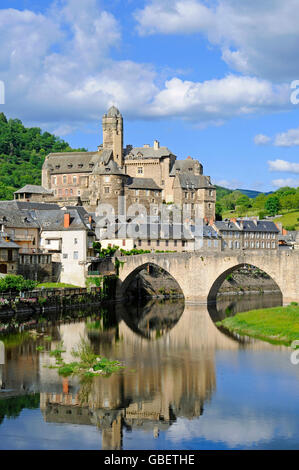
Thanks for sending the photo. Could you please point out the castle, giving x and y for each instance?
(144, 175)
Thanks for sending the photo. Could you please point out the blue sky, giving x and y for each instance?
(207, 78)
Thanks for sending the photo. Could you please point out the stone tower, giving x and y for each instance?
(113, 134)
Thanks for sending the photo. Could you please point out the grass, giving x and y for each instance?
(277, 325)
(55, 285)
(289, 219)
(88, 365)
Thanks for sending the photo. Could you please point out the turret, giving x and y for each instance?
(113, 134)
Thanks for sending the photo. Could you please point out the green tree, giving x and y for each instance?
(272, 205)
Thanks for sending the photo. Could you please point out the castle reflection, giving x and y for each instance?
(168, 350)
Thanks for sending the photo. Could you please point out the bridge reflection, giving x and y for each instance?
(166, 376)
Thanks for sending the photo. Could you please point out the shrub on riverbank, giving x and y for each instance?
(278, 325)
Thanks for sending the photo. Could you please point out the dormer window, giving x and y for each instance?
(57, 167)
(80, 165)
(70, 165)
(91, 165)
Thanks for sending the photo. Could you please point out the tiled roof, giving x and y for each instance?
(184, 166)
(248, 226)
(76, 162)
(190, 181)
(148, 152)
(143, 183)
(33, 189)
(54, 220)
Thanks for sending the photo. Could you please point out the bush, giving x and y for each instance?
(16, 284)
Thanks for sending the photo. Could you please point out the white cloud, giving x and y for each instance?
(282, 182)
(261, 139)
(217, 99)
(230, 184)
(63, 74)
(287, 139)
(283, 166)
(255, 37)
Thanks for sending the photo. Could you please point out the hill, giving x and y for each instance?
(22, 154)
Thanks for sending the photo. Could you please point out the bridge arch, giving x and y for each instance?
(214, 289)
(129, 277)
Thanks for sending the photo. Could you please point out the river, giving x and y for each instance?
(185, 385)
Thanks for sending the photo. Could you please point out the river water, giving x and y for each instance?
(185, 385)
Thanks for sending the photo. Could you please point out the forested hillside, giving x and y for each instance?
(22, 153)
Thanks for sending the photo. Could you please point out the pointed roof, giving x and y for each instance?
(113, 111)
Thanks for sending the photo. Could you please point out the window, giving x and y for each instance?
(64, 180)
(273, 245)
(257, 244)
(252, 244)
(65, 256)
(124, 242)
(107, 190)
(263, 244)
(268, 245)
(148, 243)
(175, 243)
(137, 192)
(186, 195)
(209, 243)
(76, 254)
(158, 242)
(215, 243)
(107, 179)
(71, 191)
(66, 192)
(139, 242)
(140, 170)
(54, 180)
(79, 192)
(75, 241)
(147, 192)
(166, 242)
(231, 245)
(75, 179)
(183, 243)
(211, 192)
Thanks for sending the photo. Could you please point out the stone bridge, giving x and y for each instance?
(200, 274)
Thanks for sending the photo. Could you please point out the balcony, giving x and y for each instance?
(22, 238)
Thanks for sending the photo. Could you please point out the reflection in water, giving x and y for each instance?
(169, 351)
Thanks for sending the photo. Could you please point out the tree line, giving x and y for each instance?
(284, 199)
(22, 154)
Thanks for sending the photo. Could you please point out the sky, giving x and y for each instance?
(207, 78)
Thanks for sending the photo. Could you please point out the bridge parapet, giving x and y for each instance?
(200, 273)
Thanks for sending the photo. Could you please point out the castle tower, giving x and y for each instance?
(113, 134)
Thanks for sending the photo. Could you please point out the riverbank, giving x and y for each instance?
(276, 325)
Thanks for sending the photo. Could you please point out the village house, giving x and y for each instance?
(247, 234)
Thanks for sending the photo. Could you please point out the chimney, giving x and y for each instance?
(67, 220)
(234, 220)
(156, 145)
(284, 231)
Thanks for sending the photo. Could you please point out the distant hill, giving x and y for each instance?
(251, 193)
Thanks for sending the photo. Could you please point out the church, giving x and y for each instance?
(148, 175)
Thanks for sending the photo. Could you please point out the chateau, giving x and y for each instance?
(144, 175)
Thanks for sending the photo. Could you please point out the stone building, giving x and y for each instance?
(144, 175)
(247, 234)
